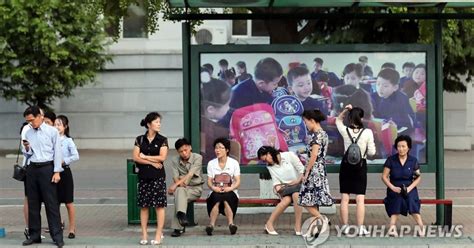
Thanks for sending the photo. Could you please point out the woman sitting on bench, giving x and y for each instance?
(401, 174)
(287, 173)
(223, 181)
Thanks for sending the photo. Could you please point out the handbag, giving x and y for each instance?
(286, 189)
(222, 180)
(19, 172)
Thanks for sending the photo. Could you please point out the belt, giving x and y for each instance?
(194, 185)
(66, 166)
(40, 164)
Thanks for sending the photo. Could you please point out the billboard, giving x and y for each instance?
(255, 95)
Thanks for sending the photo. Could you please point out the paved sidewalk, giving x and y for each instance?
(106, 225)
(102, 212)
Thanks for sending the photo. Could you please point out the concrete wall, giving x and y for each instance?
(470, 111)
(106, 115)
(456, 134)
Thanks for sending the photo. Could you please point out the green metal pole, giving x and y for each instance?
(186, 47)
(438, 32)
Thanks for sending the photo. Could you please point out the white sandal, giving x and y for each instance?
(155, 242)
(144, 242)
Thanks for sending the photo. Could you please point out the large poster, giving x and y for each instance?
(257, 99)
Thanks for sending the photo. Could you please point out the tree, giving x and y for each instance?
(457, 34)
(458, 53)
(48, 48)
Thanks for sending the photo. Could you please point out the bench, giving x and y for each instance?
(448, 206)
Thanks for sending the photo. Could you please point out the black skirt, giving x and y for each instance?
(66, 187)
(214, 198)
(152, 192)
(24, 186)
(353, 178)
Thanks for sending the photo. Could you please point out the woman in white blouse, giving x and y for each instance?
(285, 168)
(223, 198)
(353, 178)
(66, 184)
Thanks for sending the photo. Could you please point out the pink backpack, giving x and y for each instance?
(255, 126)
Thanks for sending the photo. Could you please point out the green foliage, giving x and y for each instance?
(48, 48)
(115, 10)
(457, 34)
(458, 52)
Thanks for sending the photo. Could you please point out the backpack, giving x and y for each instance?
(288, 110)
(353, 155)
(255, 126)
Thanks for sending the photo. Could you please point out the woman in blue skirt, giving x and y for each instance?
(401, 174)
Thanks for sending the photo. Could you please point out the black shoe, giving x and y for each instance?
(177, 232)
(182, 218)
(30, 242)
(209, 230)
(71, 235)
(59, 244)
(232, 229)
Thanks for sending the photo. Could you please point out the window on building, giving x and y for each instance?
(248, 27)
(134, 24)
(259, 28)
(239, 27)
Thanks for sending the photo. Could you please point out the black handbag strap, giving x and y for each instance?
(18, 153)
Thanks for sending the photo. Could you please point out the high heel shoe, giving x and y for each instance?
(157, 242)
(274, 233)
(298, 233)
(143, 242)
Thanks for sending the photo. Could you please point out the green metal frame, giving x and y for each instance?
(312, 3)
(329, 16)
(194, 109)
(440, 185)
(435, 146)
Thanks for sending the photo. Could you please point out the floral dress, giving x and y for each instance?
(315, 190)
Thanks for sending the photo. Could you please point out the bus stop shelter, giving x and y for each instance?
(436, 14)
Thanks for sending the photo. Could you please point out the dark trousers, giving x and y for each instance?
(39, 189)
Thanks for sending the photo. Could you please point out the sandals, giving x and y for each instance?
(156, 242)
(152, 242)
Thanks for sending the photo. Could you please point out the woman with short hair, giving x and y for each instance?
(401, 174)
(223, 180)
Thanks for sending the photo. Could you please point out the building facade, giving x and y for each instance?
(146, 75)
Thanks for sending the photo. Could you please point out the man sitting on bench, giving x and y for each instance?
(188, 181)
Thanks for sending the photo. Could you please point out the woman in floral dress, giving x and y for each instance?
(315, 187)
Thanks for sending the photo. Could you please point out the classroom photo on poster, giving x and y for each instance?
(257, 99)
